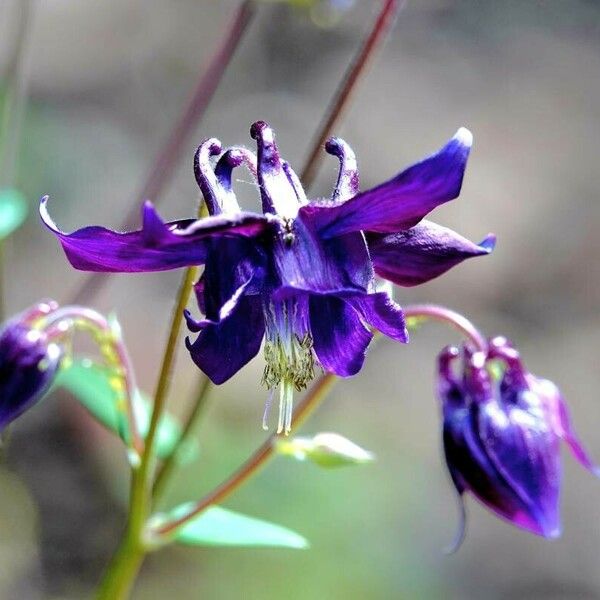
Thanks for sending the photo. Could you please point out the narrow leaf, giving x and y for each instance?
(13, 210)
(90, 384)
(218, 526)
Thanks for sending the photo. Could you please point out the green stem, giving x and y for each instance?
(166, 470)
(125, 565)
(164, 378)
(123, 569)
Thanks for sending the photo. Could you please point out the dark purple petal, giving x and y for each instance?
(205, 175)
(401, 202)
(302, 262)
(560, 420)
(28, 365)
(524, 450)
(472, 470)
(382, 313)
(294, 182)
(347, 182)
(422, 252)
(221, 350)
(277, 190)
(352, 257)
(340, 338)
(232, 158)
(231, 263)
(158, 246)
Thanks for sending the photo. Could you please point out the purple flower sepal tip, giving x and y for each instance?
(302, 274)
(28, 362)
(502, 437)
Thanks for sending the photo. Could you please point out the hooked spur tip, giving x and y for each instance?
(261, 131)
(334, 146)
(209, 147)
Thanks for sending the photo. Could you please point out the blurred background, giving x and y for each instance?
(107, 81)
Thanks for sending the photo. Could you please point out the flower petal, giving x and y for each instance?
(422, 252)
(158, 246)
(306, 263)
(28, 364)
(279, 189)
(561, 421)
(523, 448)
(231, 264)
(403, 201)
(222, 349)
(339, 335)
(382, 313)
(472, 470)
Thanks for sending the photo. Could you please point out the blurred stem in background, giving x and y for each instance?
(162, 168)
(383, 24)
(15, 94)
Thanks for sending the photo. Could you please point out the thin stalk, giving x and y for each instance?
(16, 93)
(357, 68)
(164, 378)
(166, 470)
(121, 573)
(124, 566)
(258, 459)
(163, 166)
(450, 317)
(12, 113)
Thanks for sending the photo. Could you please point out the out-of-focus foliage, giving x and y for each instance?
(13, 210)
(218, 526)
(93, 386)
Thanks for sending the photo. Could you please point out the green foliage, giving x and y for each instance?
(328, 450)
(218, 526)
(90, 383)
(13, 210)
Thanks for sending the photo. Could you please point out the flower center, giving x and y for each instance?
(290, 361)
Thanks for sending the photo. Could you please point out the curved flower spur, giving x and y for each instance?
(302, 274)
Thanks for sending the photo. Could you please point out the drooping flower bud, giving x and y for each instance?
(28, 362)
(502, 438)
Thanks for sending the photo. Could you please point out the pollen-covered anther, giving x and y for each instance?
(290, 365)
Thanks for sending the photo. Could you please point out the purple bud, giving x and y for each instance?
(28, 362)
(501, 439)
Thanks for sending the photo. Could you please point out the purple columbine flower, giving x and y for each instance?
(28, 362)
(300, 275)
(502, 436)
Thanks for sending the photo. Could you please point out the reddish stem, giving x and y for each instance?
(383, 24)
(161, 170)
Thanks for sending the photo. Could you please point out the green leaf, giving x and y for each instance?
(90, 384)
(328, 450)
(218, 526)
(13, 210)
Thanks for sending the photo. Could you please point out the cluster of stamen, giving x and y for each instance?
(289, 358)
